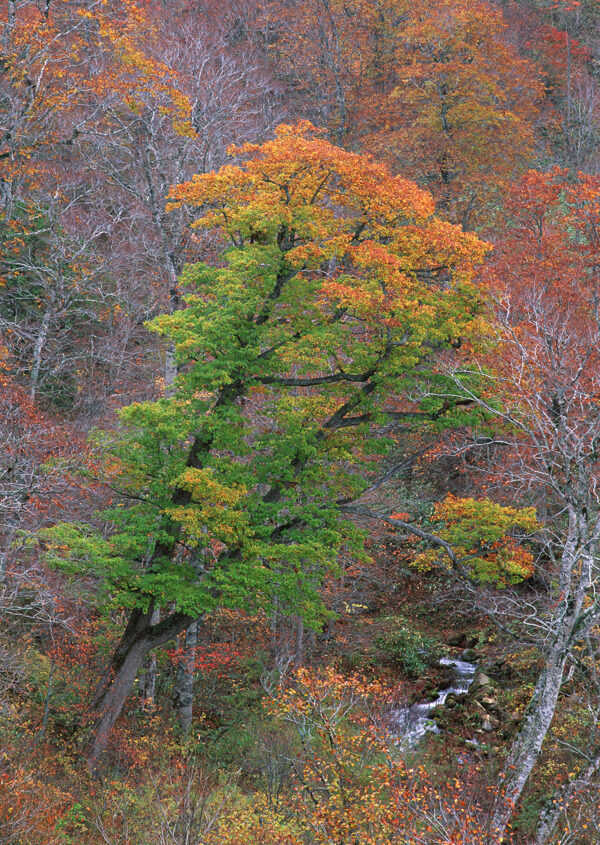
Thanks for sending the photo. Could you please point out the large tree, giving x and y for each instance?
(336, 283)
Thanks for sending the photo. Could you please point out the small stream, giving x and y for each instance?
(412, 721)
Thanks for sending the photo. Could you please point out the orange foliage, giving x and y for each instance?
(60, 61)
(349, 779)
(481, 534)
(544, 274)
(439, 93)
(329, 204)
(462, 118)
(30, 801)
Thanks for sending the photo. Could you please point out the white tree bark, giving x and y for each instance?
(148, 676)
(38, 349)
(184, 690)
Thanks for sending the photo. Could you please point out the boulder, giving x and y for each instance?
(479, 693)
(469, 655)
(480, 680)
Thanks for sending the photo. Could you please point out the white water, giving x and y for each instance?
(412, 722)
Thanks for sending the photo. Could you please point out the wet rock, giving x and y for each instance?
(431, 693)
(496, 713)
(469, 655)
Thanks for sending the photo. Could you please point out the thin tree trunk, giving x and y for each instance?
(12, 523)
(170, 370)
(335, 59)
(299, 656)
(47, 698)
(184, 687)
(9, 26)
(37, 352)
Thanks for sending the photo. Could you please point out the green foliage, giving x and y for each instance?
(413, 650)
(230, 490)
(485, 536)
(73, 824)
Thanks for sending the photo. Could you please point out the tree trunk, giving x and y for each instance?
(184, 688)
(148, 679)
(9, 26)
(38, 349)
(527, 744)
(139, 638)
(170, 370)
(299, 655)
(577, 560)
(114, 699)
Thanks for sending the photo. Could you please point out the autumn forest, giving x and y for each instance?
(299, 422)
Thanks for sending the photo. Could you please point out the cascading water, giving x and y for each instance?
(412, 721)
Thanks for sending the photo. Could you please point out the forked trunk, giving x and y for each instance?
(140, 637)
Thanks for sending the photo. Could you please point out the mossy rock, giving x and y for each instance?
(469, 654)
(455, 700)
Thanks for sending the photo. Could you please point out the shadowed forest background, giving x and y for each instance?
(299, 422)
